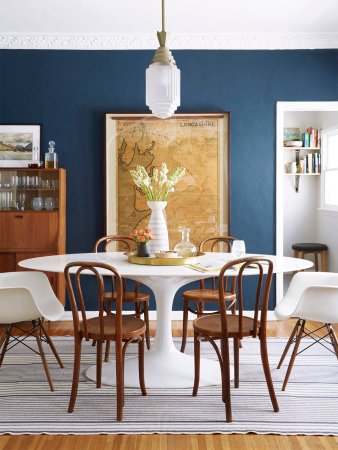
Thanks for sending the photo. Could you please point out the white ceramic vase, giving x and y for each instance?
(158, 226)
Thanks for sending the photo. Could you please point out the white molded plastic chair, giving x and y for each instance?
(27, 296)
(310, 296)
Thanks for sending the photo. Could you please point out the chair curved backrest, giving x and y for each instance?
(77, 298)
(27, 296)
(126, 242)
(217, 244)
(264, 267)
(300, 292)
(213, 244)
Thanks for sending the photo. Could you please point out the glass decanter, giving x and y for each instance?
(185, 247)
(51, 158)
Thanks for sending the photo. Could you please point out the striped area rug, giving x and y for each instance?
(308, 406)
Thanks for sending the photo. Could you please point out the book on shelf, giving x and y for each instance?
(311, 138)
(310, 163)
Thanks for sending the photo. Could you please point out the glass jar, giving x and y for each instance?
(37, 203)
(51, 158)
(185, 248)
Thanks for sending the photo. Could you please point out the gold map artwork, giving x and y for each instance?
(196, 143)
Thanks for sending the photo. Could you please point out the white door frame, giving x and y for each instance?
(281, 109)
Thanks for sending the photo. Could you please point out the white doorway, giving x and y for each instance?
(300, 216)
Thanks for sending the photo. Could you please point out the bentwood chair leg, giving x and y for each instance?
(286, 349)
(333, 338)
(5, 344)
(107, 351)
(119, 381)
(42, 355)
(50, 342)
(76, 374)
(197, 356)
(267, 373)
(226, 379)
(146, 319)
(236, 361)
(185, 325)
(294, 353)
(98, 363)
(141, 365)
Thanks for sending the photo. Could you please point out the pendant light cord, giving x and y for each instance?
(163, 16)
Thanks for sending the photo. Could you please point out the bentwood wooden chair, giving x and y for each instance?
(222, 327)
(115, 327)
(194, 300)
(311, 296)
(27, 297)
(133, 294)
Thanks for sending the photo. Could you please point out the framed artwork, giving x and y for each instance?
(19, 145)
(198, 142)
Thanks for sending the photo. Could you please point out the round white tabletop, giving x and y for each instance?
(165, 366)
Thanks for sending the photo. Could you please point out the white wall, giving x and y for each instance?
(327, 223)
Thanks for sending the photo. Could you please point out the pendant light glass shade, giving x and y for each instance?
(163, 89)
(163, 80)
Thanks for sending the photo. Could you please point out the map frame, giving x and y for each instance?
(115, 126)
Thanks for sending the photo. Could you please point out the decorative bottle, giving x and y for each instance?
(51, 158)
(185, 248)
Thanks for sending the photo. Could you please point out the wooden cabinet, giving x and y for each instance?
(32, 218)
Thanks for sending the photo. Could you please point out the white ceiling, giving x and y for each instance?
(192, 23)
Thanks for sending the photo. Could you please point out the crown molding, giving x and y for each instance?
(128, 41)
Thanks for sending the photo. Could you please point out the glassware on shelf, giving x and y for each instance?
(6, 200)
(185, 247)
(37, 203)
(51, 158)
(238, 249)
(49, 203)
(21, 201)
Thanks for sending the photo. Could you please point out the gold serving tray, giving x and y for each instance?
(153, 261)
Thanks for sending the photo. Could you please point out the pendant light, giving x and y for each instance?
(163, 79)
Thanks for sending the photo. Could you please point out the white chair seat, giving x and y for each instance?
(28, 297)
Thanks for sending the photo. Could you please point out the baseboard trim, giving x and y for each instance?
(175, 315)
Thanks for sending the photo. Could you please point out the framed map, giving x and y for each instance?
(198, 142)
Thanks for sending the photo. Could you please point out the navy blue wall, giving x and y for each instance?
(70, 91)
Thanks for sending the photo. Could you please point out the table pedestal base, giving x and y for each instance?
(173, 370)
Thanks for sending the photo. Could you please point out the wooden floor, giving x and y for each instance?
(169, 442)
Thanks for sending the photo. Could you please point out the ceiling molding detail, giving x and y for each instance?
(229, 41)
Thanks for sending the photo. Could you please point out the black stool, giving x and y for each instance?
(317, 249)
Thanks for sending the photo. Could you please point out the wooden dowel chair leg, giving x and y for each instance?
(5, 344)
(294, 353)
(50, 342)
(286, 349)
(333, 338)
(42, 355)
